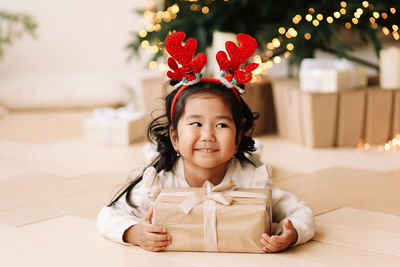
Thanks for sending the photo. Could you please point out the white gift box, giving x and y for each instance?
(331, 75)
(120, 126)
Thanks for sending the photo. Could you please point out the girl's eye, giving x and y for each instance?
(222, 125)
(198, 124)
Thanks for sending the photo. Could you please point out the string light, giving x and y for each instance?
(343, 4)
(311, 10)
(320, 17)
(392, 10)
(372, 20)
(395, 27)
(315, 22)
(296, 19)
(307, 36)
(336, 14)
(376, 15)
(270, 46)
(385, 31)
(287, 54)
(347, 25)
(269, 53)
(309, 17)
(277, 59)
(276, 42)
(152, 64)
(290, 46)
(205, 10)
(365, 4)
(142, 33)
(342, 11)
(384, 15)
(281, 30)
(354, 20)
(329, 19)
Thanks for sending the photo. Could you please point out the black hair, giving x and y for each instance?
(158, 131)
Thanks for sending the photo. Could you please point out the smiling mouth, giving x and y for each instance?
(206, 150)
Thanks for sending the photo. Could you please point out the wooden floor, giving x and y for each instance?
(52, 184)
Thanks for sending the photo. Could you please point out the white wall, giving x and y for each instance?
(75, 36)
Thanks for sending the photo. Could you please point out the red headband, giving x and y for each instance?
(189, 71)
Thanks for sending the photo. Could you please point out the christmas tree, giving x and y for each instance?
(293, 29)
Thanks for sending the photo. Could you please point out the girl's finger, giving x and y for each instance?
(156, 229)
(147, 216)
(154, 243)
(158, 237)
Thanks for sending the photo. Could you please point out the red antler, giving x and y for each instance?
(183, 54)
(238, 55)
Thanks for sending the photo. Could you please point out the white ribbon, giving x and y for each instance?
(208, 198)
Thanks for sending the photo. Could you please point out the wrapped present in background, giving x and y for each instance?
(331, 75)
(219, 218)
(120, 126)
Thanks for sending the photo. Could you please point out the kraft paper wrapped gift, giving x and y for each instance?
(258, 96)
(120, 126)
(308, 118)
(396, 113)
(378, 128)
(212, 219)
(351, 117)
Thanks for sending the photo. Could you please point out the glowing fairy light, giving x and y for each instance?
(287, 54)
(152, 64)
(376, 15)
(329, 19)
(269, 53)
(320, 17)
(359, 10)
(343, 4)
(395, 27)
(142, 33)
(145, 44)
(342, 11)
(296, 19)
(385, 31)
(384, 15)
(269, 64)
(365, 4)
(336, 14)
(392, 10)
(281, 30)
(307, 36)
(354, 20)
(309, 17)
(372, 20)
(205, 10)
(290, 46)
(277, 59)
(276, 42)
(396, 35)
(347, 25)
(150, 27)
(270, 46)
(311, 10)
(292, 32)
(315, 22)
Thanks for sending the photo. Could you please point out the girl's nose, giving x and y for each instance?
(207, 133)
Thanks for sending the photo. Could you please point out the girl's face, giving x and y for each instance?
(205, 133)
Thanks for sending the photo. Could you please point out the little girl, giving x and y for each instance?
(205, 134)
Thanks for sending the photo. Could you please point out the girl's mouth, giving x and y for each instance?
(206, 150)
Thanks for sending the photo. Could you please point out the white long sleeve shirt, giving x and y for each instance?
(112, 222)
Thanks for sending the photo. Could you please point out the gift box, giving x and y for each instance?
(223, 219)
(305, 117)
(120, 126)
(378, 116)
(396, 113)
(258, 96)
(351, 117)
(330, 75)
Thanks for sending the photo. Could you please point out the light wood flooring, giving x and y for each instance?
(53, 183)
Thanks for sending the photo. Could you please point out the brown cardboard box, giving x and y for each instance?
(396, 113)
(289, 119)
(319, 111)
(258, 96)
(209, 225)
(304, 117)
(378, 116)
(351, 115)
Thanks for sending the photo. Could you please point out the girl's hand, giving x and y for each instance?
(275, 243)
(146, 235)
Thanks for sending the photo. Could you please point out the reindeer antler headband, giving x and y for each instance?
(189, 72)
